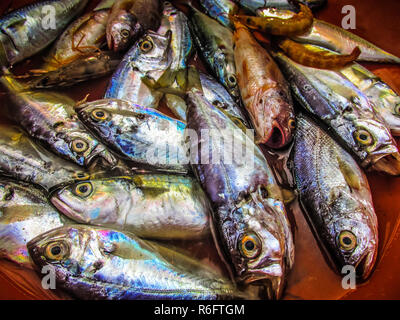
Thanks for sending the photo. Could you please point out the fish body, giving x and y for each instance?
(149, 57)
(151, 206)
(249, 220)
(254, 5)
(129, 19)
(221, 10)
(98, 263)
(338, 103)
(22, 159)
(335, 193)
(50, 118)
(83, 37)
(25, 213)
(215, 43)
(141, 135)
(337, 39)
(26, 31)
(264, 91)
(385, 101)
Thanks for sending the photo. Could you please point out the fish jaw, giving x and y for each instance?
(124, 23)
(389, 164)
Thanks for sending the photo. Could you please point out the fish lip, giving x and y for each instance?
(389, 164)
(271, 141)
(67, 210)
(366, 265)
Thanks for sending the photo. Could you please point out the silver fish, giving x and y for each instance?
(221, 10)
(254, 5)
(335, 194)
(26, 31)
(25, 213)
(98, 263)
(151, 206)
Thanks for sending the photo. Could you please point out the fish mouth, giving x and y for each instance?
(389, 164)
(65, 209)
(276, 138)
(366, 265)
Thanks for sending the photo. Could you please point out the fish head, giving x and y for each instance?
(98, 200)
(355, 243)
(375, 141)
(260, 243)
(389, 107)
(122, 31)
(227, 73)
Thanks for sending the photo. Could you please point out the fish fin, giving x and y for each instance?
(349, 174)
(83, 101)
(177, 105)
(182, 78)
(16, 24)
(155, 86)
(288, 195)
(194, 81)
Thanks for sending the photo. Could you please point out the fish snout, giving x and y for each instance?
(366, 265)
(277, 138)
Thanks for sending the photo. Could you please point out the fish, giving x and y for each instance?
(23, 159)
(254, 5)
(385, 101)
(346, 111)
(103, 264)
(79, 70)
(85, 36)
(142, 135)
(221, 10)
(25, 213)
(129, 19)
(264, 91)
(329, 36)
(50, 118)
(215, 44)
(152, 206)
(335, 194)
(149, 57)
(249, 222)
(299, 23)
(29, 30)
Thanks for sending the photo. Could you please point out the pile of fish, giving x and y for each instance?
(100, 190)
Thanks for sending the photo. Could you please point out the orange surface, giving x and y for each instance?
(311, 277)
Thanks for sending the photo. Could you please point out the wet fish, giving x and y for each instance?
(26, 31)
(129, 19)
(22, 159)
(98, 263)
(142, 135)
(215, 43)
(255, 5)
(335, 194)
(264, 90)
(221, 10)
(25, 213)
(149, 57)
(50, 119)
(338, 103)
(249, 220)
(82, 69)
(337, 39)
(384, 100)
(151, 206)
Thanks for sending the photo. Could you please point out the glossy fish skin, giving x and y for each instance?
(100, 264)
(83, 69)
(249, 220)
(337, 39)
(254, 5)
(22, 33)
(335, 194)
(142, 135)
(22, 159)
(126, 82)
(264, 90)
(335, 101)
(385, 101)
(151, 206)
(129, 19)
(25, 213)
(215, 43)
(221, 10)
(83, 37)
(50, 118)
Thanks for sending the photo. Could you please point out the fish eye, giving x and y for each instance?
(250, 246)
(125, 33)
(292, 123)
(83, 190)
(146, 46)
(397, 109)
(347, 240)
(99, 115)
(80, 145)
(231, 79)
(363, 137)
(56, 250)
